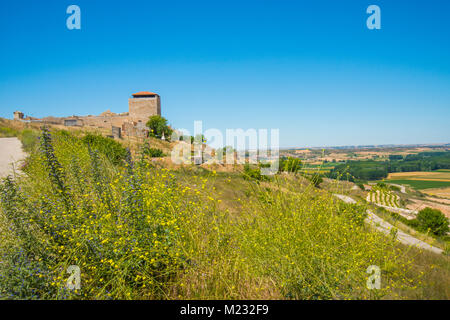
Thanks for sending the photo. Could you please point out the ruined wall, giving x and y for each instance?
(129, 123)
(104, 121)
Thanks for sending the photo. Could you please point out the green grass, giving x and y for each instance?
(138, 231)
(422, 184)
(6, 132)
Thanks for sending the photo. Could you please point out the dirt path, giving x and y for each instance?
(386, 227)
(11, 154)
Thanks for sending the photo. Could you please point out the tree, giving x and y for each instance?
(316, 180)
(158, 126)
(433, 220)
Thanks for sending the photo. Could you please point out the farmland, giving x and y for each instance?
(421, 184)
(383, 197)
(437, 175)
(421, 180)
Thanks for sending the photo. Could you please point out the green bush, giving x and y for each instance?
(433, 220)
(158, 126)
(253, 173)
(112, 149)
(148, 151)
(316, 180)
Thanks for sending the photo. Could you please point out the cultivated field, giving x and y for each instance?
(439, 175)
(383, 197)
(440, 192)
(421, 184)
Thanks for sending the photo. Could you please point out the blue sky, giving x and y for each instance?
(310, 68)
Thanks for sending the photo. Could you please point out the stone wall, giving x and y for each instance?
(130, 123)
(143, 108)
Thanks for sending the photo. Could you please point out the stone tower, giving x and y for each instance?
(18, 115)
(144, 105)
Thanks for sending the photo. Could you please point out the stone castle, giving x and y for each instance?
(141, 106)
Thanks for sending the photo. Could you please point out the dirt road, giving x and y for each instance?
(386, 227)
(11, 154)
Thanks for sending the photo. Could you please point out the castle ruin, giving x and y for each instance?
(141, 106)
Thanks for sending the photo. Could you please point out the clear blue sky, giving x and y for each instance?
(310, 68)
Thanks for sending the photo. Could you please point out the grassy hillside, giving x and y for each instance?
(139, 230)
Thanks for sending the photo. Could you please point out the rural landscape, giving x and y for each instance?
(218, 159)
(140, 227)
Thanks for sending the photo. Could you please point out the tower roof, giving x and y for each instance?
(144, 93)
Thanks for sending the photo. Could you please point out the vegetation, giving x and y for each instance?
(422, 184)
(108, 147)
(290, 164)
(381, 194)
(376, 170)
(28, 137)
(433, 220)
(158, 127)
(148, 151)
(253, 173)
(142, 232)
(7, 132)
(316, 180)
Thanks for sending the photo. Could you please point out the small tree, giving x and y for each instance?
(433, 220)
(316, 180)
(158, 126)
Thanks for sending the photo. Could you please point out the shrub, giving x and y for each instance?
(316, 180)
(381, 185)
(123, 226)
(158, 126)
(314, 247)
(253, 173)
(433, 220)
(112, 149)
(147, 151)
(155, 153)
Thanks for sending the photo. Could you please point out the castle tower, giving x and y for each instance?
(143, 105)
(18, 115)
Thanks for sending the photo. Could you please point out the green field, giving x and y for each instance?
(422, 184)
